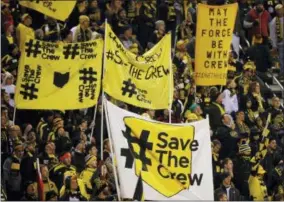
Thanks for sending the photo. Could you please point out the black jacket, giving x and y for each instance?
(215, 116)
(28, 169)
(261, 56)
(234, 194)
(242, 169)
(229, 142)
(78, 160)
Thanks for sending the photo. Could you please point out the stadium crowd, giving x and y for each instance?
(247, 146)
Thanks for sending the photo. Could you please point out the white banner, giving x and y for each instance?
(193, 182)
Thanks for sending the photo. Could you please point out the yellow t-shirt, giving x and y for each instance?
(25, 33)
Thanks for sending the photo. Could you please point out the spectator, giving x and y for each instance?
(158, 34)
(277, 35)
(107, 150)
(230, 101)
(74, 189)
(257, 21)
(232, 193)
(78, 157)
(48, 185)
(30, 192)
(12, 175)
(52, 30)
(27, 167)
(227, 135)
(88, 173)
(82, 32)
(242, 169)
(57, 172)
(24, 31)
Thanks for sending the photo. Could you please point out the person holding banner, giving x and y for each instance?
(24, 31)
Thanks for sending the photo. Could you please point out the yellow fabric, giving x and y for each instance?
(81, 187)
(149, 74)
(56, 9)
(15, 166)
(256, 189)
(211, 39)
(25, 33)
(62, 79)
(86, 177)
(157, 172)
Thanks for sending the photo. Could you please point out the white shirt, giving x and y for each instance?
(230, 102)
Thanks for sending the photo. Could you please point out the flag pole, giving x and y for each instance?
(14, 115)
(112, 160)
(94, 120)
(102, 115)
(170, 83)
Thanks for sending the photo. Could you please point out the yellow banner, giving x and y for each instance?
(57, 9)
(144, 81)
(214, 33)
(59, 76)
(162, 153)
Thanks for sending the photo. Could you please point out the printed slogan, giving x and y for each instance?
(213, 39)
(50, 72)
(138, 77)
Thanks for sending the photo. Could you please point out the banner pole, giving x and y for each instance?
(94, 120)
(170, 83)
(102, 115)
(112, 160)
(14, 115)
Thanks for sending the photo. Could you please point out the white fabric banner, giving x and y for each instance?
(201, 159)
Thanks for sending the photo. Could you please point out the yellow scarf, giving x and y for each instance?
(220, 108)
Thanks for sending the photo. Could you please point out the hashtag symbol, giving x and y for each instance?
(70, 50)
(88, 75)
(109, 55)
(29, 91)
(129, 88)
(33, 48)
(143, 143)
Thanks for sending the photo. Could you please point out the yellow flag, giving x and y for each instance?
(214, 35)
(144, 81)
(162, 153)
(59, 76)
(57, 9)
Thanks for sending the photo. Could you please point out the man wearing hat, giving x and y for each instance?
(242, 169)
(11, 173)
(82, 32)
(57, 172)
(257, 21)
(215, 110)
(24, 31)
(226, 186)
(245, 78)
(276, 27)
(87, 174)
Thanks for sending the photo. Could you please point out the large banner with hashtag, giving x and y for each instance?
(167, 161)
(145, 80)
(59, 76)
(58, 9)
